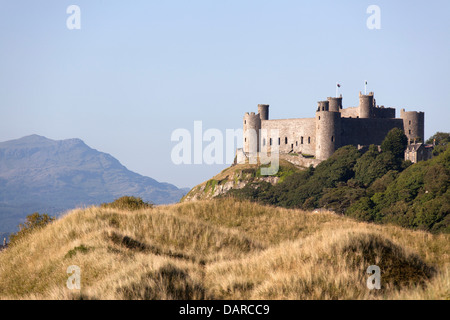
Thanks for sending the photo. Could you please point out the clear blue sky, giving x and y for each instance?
(137, 70)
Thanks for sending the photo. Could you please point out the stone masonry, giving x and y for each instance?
(331, 128)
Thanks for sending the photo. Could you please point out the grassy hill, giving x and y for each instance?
(223, 249)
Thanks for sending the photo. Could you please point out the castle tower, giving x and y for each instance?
(328, 130)
(323, 106)
(335, 104)
(366, 103)
(263, 110)
(413, 124)
(252, 125)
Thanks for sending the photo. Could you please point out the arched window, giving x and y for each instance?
(285, 140)
(279, 141)
(301, 140)
(332, 138)
(270, 141)
(309, 140)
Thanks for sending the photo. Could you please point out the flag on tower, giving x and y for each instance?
(338, 85)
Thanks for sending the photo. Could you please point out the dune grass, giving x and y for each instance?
(223, 249)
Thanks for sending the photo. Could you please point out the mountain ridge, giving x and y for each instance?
(41, 174)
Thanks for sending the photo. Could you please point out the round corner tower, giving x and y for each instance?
(252, 125)
(328, 130)
(335, 104)
(263, 110)
(413, 124)
(366, 103)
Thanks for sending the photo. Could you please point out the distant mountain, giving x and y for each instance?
(39, 174)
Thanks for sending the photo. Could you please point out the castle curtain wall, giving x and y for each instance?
(292, 131)
(367, 131)
(386, 113)
(350, 112)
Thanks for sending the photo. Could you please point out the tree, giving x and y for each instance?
(377, 167)
(33, 222)
(128, 203)
(364, 164)
(441, 140)
(395, 142)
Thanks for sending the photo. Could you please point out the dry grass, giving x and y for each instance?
(223, 249)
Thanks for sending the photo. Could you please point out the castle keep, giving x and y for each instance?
(331, 128)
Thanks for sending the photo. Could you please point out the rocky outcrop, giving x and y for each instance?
(237, 177)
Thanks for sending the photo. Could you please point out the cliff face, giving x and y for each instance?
(215, 187)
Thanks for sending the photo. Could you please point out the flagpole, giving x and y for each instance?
(365, 87)
(336, 89)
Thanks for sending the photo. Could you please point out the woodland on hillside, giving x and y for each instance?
(372, 186)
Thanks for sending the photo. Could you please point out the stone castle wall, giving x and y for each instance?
(332, 128)
(297, 135)
(383, 113)
(367, 131)
(351, 112)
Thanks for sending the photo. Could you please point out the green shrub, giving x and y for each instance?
(395, 142)
(441, 141)
(128, 203)
(82, 249)
(418, 197)
(340, 198)
(439, 138)
(364, 164)
(33, 222)
(381, 184)
(362, 210)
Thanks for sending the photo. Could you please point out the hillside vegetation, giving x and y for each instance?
(237, 177)
(223, 249)
(371, 186)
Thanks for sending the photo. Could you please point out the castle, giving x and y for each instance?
(332, 128)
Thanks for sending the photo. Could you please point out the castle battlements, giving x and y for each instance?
(332, 127)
